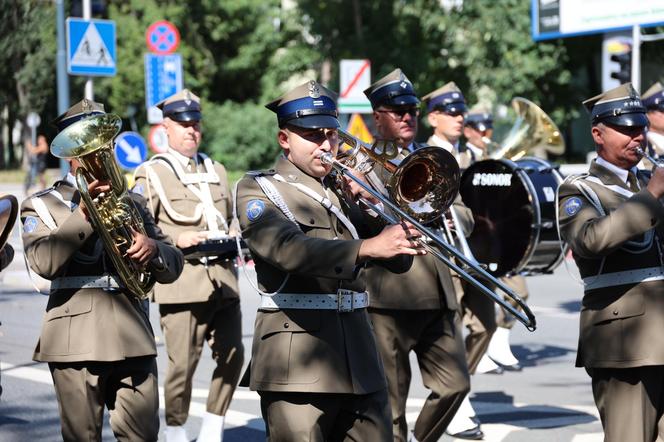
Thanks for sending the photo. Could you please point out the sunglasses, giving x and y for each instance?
(399, 114)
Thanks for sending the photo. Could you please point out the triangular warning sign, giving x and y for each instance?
(92, 50)
(357, 128)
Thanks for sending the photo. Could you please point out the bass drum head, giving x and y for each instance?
(498, 194)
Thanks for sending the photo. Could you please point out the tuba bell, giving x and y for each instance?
(113, 214)
(532, 134)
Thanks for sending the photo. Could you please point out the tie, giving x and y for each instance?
(632, 182)
(192, 165)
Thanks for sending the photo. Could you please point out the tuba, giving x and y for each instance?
(420, 188)
(8, 215)
(113, 214)
(533, 133)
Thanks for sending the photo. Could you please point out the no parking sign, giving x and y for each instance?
(162, 37)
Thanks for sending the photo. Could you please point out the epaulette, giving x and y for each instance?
(569, 179)
(255, 173)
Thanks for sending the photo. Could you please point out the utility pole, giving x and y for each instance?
(61, 61)
(89, 87)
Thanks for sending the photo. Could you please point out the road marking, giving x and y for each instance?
(493, 432)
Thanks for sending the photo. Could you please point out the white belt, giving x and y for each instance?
(342, 301)
(85, 282)
(622, 278)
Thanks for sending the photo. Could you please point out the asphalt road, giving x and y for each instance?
(550, 400)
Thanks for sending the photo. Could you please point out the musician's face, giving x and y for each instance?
(445, 125)
(617, 144)
(183, 136)
(397, 123)
(303, 147)
(477, 137)
(656, 119)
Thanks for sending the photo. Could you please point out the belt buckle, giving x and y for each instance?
(340, 305)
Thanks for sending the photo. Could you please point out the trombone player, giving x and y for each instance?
(96, 335)
(425, 321)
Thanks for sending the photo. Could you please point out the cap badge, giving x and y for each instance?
(187, 97)
(87, 106)
(314, 90)
(403, 85)
(455, 95)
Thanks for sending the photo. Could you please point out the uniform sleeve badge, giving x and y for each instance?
(255, 209)
(572, 206)
(30, 224)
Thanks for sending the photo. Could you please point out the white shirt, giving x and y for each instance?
(621, 173)
(477, 152)
(657, 141)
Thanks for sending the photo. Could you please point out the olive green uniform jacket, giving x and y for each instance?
(307, 350)
(88, 324)
(620, 324)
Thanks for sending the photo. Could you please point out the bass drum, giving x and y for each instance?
(513, 204)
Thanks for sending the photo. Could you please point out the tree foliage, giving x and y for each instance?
(240, 54)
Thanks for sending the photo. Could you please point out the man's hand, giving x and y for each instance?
(94, 189)
(656, 183)
(355, 191)
(190, 238)
(143, 249)
(396, 239)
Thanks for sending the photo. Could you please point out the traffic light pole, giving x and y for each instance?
(636, 57)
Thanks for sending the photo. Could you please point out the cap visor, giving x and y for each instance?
(401, 100)
(314, 122)
(629, 120)
(185, 116)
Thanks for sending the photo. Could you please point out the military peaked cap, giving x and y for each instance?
(620, 106)
(448, 99)
(310, 105)
(182, 106)
(394, 89)
(80, 110)
(479, 118)
(653, 98)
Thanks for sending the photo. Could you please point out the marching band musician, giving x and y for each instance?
(653, 100)
(424, 321)
(612, 219)
(189, 197)
(314, 359)
(478, 130)
(447, 109)
(96, 335)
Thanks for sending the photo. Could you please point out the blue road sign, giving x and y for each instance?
(91, 47)
(163, 77)
(130, 150)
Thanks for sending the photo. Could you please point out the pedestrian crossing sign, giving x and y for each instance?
(91, 47)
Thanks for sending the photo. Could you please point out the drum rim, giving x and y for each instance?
(560, 178)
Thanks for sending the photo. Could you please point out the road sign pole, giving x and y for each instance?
(63, 79)
(636, 57)
(89, 86)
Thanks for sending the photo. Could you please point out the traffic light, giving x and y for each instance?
(624, 60)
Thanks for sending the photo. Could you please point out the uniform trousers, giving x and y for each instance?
(435, 337)
(186, 327)
(326, 417)
(479, 316)
(127, 388)
(630, 402)
(518, 284)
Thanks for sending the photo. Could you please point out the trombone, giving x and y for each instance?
(433, 162)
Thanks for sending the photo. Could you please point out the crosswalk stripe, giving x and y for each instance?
(493, 432)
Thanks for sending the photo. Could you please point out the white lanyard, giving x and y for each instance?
(323, 201)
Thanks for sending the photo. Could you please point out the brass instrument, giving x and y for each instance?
(8, 215)
(113, 214)
(414, 183)
(533, 133)
(644, 154)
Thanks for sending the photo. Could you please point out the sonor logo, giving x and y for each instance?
(492, 179)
